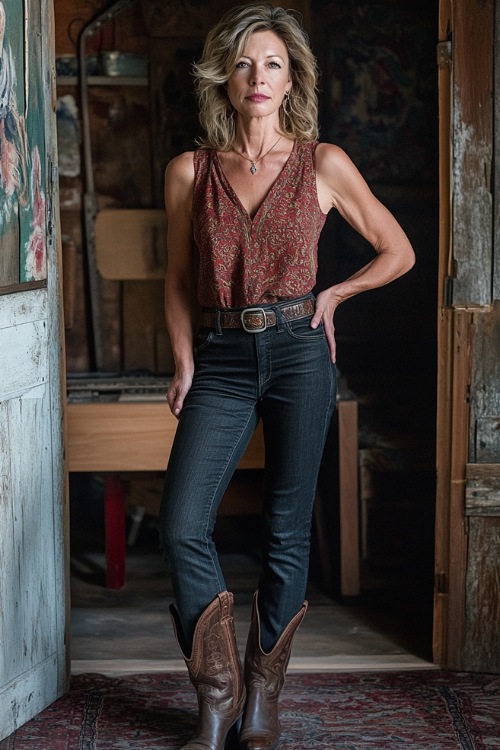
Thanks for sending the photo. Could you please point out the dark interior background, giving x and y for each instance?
(378, 101)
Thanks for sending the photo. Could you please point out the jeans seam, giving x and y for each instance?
(210, 504)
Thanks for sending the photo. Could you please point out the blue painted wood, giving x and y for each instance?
(33, 609)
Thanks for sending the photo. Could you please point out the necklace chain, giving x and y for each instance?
(254, 162)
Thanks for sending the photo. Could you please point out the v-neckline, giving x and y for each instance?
(234, 195)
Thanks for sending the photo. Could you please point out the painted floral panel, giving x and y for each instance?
(23, 256)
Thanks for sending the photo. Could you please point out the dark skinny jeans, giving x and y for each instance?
(283, 376)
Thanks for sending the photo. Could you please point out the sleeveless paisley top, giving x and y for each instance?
(244, 261)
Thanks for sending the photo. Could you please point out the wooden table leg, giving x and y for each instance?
(349, 501)
(114, 519)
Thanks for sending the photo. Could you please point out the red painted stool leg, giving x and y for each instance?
(114, 520)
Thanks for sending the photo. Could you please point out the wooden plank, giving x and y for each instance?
(485, 390)
(348, 497)
(482, 493)
(24, 358)
(496, 146)
(443, 486)
(9, 257)
(482, 646)
(131, 436)
(444, 348)
(487, 438)
(23, 363)
(456, 626)
(69, 281)
(22, 308)
(27, 560)
(131, 244)
(33, 684)
(472, 146)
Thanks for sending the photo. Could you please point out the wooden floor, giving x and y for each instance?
(129, 630)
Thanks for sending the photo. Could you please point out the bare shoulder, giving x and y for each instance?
(338, 179)
(179, 182)
(180, 170)
(330, 157)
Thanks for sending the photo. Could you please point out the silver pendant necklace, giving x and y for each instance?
(254, 162)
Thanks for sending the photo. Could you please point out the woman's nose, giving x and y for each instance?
(256, 75)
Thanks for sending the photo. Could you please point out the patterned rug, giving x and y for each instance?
(427, 710)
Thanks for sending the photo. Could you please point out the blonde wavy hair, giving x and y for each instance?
(224, 46)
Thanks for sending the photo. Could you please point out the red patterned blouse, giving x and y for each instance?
(245, 261)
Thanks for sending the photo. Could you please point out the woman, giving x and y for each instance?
(250, 342)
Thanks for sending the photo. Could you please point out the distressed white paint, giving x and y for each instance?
(34, 686)
(30, 595)
(27, 583)
(33, 584)
(32, 611)
(23, 345)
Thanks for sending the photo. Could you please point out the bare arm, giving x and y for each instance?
(181, 307)
(341, 186)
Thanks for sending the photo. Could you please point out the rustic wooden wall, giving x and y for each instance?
(467, 563)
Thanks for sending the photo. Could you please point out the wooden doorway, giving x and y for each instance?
(467, 582)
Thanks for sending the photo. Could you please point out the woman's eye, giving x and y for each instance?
(241, 64)
(274, 64)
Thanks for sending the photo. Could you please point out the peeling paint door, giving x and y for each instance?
(33, 601)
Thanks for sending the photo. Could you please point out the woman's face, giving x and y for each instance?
(261, 76)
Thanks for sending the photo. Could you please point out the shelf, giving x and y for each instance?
(103, 81)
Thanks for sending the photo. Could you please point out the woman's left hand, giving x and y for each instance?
(326, 304)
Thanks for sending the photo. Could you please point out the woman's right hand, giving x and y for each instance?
(177, 391)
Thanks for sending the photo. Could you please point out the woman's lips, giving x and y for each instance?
(258, 98)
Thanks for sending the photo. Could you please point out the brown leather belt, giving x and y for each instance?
(257, 319)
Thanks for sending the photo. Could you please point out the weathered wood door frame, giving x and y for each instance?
(467, 293)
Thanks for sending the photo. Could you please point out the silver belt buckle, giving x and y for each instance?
(254, 311)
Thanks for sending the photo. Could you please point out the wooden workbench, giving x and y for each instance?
(136, 436)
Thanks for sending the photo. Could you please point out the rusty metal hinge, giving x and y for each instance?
(444, 53)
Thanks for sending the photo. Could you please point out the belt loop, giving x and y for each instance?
(280, 321)
(218, 327)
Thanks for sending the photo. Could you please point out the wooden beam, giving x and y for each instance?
(472, 151)
(482, 492)
(444, 339)
(459, 453)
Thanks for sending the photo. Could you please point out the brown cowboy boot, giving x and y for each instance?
(216, 673)
(264, 679)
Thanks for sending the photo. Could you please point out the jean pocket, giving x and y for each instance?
(301, 329)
